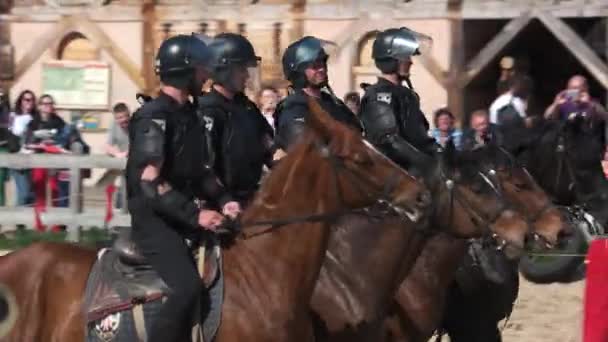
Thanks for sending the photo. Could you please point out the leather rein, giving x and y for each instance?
(382, 205)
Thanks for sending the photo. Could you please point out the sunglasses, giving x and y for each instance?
(27, 99)
(47, 103)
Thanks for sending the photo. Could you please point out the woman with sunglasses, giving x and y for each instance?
(24, 111)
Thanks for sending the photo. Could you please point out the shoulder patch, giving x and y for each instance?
(161, 123)
(384, 97)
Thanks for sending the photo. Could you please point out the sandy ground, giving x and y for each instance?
(545, 313)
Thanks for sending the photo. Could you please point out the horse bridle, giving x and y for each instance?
(546, 207)
(455, 195)
(382, 205)
(562, 161)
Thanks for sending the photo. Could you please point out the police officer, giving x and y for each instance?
(390, 111)
(305, 66)
(242, 138)
(165, 172)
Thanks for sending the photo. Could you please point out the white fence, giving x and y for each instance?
(74, 217)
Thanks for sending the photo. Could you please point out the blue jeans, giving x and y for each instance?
(63, 194)
(23, 185)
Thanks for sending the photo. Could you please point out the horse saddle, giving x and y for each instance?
(121, 279)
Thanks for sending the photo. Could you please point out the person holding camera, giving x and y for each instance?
(574, 102)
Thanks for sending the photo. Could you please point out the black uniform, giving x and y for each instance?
(393, 122)
(494, 137)
(164, 130)
(292, 111)
(241, 139)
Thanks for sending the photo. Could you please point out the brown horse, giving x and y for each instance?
(420, 300)
(270, 273)
(364, 266)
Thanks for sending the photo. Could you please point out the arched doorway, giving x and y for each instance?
(364, 70)
(75, 46)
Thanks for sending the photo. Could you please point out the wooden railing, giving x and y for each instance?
(75, 216)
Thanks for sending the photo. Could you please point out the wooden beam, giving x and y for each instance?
(148, 10)
(92, 31)
(433, 67)
(493, 48)
(40, 45)
(457, 58)
(297, 12)
(577, 46)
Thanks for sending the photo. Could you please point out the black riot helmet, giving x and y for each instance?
(300, 55)
(177, 59)
(397, 44)
(230, 50)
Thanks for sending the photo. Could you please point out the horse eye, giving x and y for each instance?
(476, 187)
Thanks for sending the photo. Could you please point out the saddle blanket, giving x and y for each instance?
(122, 298)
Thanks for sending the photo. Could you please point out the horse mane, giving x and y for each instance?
(304, 162)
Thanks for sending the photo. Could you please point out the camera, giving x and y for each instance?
(572, 94)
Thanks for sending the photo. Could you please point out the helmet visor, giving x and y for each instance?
(410, 43)
(314, 51)
(329, 47)
(255, 78)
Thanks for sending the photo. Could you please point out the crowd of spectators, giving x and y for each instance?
(33, 126)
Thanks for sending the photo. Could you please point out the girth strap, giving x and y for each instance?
(140, 322)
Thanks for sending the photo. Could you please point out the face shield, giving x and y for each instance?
(254, 81)
(314, 50)
(410, 43)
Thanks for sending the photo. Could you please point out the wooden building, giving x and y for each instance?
(556, 39)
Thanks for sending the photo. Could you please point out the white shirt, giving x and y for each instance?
(18, 123)
(504, 100)
(270, 119)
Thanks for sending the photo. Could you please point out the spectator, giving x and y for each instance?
(24, 111)
(117, 144)
(507, 70)
(5, 109)
(352, 100)
(5, 142)
(510, 107)
(481, 131)
(444, 130)
(267, 101)
(576, 101)
(42, 137)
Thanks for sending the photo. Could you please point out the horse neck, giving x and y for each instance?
(289, 257)
(439, 260)
(423, 292)
(357, 247)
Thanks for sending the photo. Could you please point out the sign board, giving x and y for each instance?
(76, 84)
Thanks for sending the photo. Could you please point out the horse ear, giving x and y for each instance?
(338, 137)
